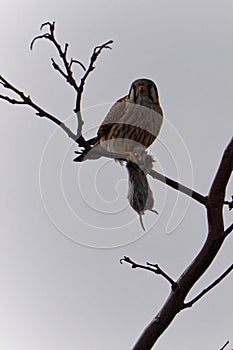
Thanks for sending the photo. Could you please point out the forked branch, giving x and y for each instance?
(206, 290)
(216, 235)
(68, 72)
(214, 202)
(150, 267)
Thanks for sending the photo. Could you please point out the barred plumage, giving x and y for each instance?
(134, 120)
(130, 127)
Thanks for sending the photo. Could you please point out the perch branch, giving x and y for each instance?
(150, 267)
(206, 290)
(177, 186)
(155, 174)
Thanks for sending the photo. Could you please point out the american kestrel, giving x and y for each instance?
(133, 121)
(130, 127)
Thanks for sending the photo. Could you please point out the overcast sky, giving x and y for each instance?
(65, 226)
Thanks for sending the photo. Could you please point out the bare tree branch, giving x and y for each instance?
(62, 53)
(96, 52)
(12, 100)
(223, 347)
(26, 100)
(179, 187)
(175, 302)
(78, 62)
(228, 230)
(69, 75)
(214, 202)
(230, 204)
(150, 267)
(206, 290)
(155, 174)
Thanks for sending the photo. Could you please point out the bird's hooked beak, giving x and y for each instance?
(141, 90)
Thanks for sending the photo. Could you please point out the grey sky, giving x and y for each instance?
(57, 294)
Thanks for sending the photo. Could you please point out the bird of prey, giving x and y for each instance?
(130, 127)
(133, 121)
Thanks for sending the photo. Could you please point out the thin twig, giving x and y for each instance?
(68, 74)
(223, 347)
(150, 267)
(62, 53)
(96, 52)
(155, 174)
(228, 230)
(26, 100)
(12, 100)
(78, 62)
(206, 290)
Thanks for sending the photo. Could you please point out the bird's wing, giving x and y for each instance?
(113, 116)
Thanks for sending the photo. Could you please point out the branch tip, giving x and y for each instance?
(206, 290)
(78, 62)
(51, 25)
(223, 347)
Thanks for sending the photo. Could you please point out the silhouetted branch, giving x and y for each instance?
(228, 230)
(78, 62)
(12, 100)
(95, 54)
(68, 73)
(150, 267)
(206, 290)
(26, 100)
(155, 174)
(62, 53)
(176, 300)
(179, 187)
(223, 347)
(214, 202)
(230, 204)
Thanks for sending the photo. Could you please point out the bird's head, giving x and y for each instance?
(143, 90)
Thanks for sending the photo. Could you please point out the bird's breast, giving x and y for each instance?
(136, 126)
